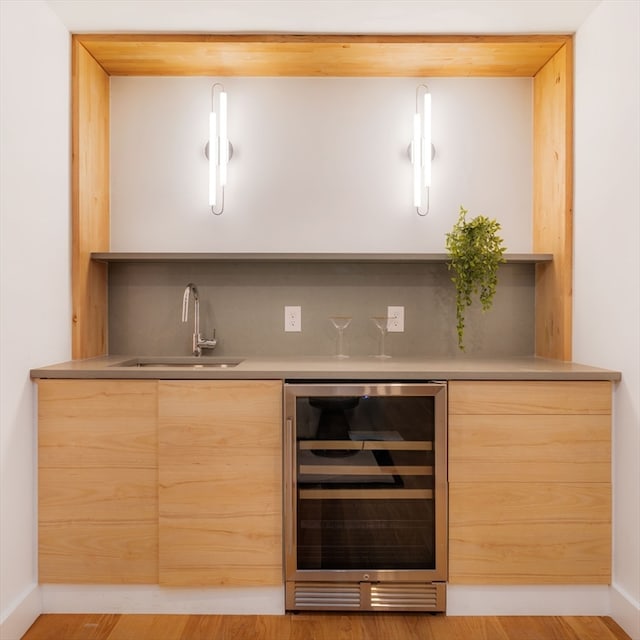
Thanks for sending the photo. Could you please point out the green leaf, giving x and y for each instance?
(475, 252)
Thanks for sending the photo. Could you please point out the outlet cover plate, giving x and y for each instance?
(395, 323)
(293, 318)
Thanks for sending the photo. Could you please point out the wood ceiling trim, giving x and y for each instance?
(305, 55)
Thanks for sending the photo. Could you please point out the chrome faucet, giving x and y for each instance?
(199, 343)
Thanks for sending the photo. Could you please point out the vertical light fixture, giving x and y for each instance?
(422, 150)
(218, 148)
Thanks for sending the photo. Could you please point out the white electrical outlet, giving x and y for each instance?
(395, 320)
(293, 318)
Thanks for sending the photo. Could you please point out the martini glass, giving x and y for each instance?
(382, 323)
(340, 323)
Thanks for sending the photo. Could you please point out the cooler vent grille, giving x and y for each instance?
(366, 596)
(327, 596)
(403, 597)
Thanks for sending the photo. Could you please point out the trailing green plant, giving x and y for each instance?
(475, 251)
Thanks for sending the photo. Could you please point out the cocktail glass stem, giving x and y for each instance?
(340, 323)
(340, 346)
(381, 352)
(381, 323)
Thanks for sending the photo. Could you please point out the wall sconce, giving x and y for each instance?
(421, 150)
(218, 150)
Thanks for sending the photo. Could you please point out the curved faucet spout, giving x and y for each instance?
(199, 342)
(185, 300)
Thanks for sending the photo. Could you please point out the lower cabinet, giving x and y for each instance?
(97, 482)
(170, 482)
(220, 482)
(179, 482)
(529, 482)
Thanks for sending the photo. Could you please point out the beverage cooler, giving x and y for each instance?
(365, 496)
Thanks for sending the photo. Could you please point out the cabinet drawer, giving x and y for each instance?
(97, 423)
(86, 552)
(526, 448)
(529, 533)
(520, 397)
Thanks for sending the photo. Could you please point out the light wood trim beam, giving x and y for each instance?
(90, 202)
(553, 203)
(321, 55)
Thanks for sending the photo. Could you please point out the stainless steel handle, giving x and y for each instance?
(290, 497)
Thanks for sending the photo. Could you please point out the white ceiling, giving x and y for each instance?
(324, 16)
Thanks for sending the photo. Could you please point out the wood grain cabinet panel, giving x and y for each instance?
(220, 491)
(97, 481)
(529, 448)
(529, 482)
(529, 397)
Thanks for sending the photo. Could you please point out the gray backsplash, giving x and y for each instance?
(245, 303)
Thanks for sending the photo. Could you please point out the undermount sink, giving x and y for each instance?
(182, 362)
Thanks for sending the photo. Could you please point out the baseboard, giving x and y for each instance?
(21, 614)
(155, 599)
(461, 600)
(574, 600)
(625, 611)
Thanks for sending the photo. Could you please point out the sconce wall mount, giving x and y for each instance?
(421, 150)
(218, 149)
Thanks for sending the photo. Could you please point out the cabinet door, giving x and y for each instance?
(97, 481)
(529, 474)
(220, 475)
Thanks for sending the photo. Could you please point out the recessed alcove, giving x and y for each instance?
(547, 59)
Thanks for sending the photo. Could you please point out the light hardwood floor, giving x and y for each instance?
(314, 626)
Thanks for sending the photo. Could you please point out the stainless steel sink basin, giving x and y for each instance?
(182, 362)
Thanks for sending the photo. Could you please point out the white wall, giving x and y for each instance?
(34, 265)
(324, 16)
(319, 164)
(34, 273)
(607, 259)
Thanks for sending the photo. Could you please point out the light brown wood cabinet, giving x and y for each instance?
(220, 491)
(529, 482)
(97, 481)
(170, 482)
(180, 482)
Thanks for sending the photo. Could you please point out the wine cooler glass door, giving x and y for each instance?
(367, 482)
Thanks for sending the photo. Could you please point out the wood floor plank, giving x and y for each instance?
(537, 628)
(312, 626)
(72, 627)
(466, 628)
(259, 627)
(202, 627)
(140, 627)
(322, 626)
(592, 628)
(409, 626)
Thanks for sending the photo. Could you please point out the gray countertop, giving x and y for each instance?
(331, 368)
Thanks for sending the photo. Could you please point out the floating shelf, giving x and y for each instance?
(299, 257)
